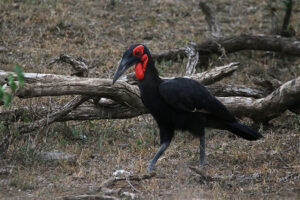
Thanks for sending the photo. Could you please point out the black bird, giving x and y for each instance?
(179, 103)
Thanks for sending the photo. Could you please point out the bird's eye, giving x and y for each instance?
(138, 51)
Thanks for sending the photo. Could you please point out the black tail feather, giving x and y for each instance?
(243, 131)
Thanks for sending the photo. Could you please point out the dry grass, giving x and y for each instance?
(35, 31)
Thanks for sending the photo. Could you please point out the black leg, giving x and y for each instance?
(202, 149)
(166, 136)
(160, 151)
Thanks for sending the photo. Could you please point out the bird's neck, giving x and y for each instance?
(151, 77)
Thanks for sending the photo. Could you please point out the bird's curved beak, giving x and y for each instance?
(127, 61)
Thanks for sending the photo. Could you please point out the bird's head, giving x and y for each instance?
(137, 54)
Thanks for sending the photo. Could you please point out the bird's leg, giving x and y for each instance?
(202, 149)
(160, 151)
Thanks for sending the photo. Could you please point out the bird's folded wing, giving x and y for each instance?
(189, 95)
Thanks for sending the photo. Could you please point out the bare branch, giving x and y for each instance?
(108, 109)
(81, 69)
(37, 78)
(89, 197)
(193, 58)
(71, 105)
(213, 24)
(250, 42)
(264, 109)
(225, 90)
(111, 181)
(208, 77)
(284, 30)
(57, 85)
(125, 99)
(237, 43)
(215, 74)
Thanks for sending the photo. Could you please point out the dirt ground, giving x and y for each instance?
(32, 32)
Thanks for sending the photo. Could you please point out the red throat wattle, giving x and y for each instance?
(140, 67)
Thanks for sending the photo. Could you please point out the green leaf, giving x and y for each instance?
(1, 93)
(7, 99)
(26, 120)
(11, 82)
(20, 75)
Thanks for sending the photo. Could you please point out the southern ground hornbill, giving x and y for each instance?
(179, 103)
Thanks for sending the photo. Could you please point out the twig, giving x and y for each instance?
(201, 173)
(215, 74)
(90, 197)
(128, 181)
(213, 25)
(71, 105)
(291, 175)
(284, 30)
(81, 69)
(111, 181)
(193, 58)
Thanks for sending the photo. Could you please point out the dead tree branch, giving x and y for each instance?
(264, 109)
(234, 44)
(121, 91)
(111, 181)
(208, 77)
(215, 74)
(89, 197)
(250, 42)
(286, 21)
(81, 69)
(71, 105)
(193, 58)
(108, 109)
(122, 100)
(225, 90)
(213, 24)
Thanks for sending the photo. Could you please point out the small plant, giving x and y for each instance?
(6, 97)
(261, 128)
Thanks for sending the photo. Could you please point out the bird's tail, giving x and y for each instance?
(243, 131)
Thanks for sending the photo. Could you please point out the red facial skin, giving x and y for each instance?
(140, 67)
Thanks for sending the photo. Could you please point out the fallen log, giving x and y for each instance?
(234, 44)
(122, 100)
(206, 78)
(262, 109)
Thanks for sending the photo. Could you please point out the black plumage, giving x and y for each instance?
(179, 103)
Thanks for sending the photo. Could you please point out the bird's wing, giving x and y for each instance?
(189, 95)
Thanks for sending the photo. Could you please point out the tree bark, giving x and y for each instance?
(213, 24)
(262, 109)
(122, 100)
(73, 104)
(236, 43)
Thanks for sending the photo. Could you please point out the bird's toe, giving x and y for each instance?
(150, 169)
(204, 164)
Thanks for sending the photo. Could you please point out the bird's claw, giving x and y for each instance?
(204, 164)
(150, 168)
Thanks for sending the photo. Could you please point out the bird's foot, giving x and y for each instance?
(151, 168)
(204, 163)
